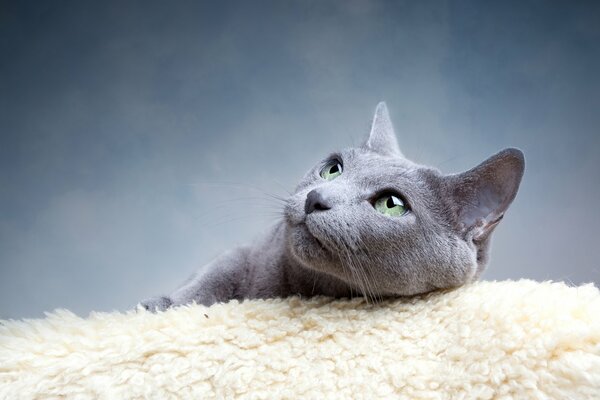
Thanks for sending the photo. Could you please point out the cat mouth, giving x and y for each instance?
(312, 236)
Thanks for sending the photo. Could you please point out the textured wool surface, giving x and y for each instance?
(522, 339)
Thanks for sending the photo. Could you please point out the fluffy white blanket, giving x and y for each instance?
(524, 340)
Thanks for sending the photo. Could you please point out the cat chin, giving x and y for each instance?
(305, 246)
(310, 251)
(312, 254)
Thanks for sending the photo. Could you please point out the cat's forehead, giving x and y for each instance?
(368, 163)
(368, 171)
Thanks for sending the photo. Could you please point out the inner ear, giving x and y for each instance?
(382, 138)
(482, 195)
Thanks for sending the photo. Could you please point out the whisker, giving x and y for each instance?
(355, 278)
(238, 185)
(365, 269)
(341, 253)
(289, 192)
(357, 273)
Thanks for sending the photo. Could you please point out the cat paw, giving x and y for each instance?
(158, 303)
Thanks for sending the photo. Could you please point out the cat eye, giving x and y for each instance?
(391, 205)
(331, 170)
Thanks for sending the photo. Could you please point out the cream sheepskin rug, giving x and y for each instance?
(501, 340)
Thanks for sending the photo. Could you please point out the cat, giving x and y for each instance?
(368, 222)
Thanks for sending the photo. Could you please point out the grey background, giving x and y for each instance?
(137, 138)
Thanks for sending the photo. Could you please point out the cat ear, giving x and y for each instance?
(482, 194)
(382, 138)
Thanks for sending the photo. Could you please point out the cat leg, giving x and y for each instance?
(219, 281)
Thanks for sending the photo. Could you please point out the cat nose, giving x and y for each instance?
(315, 202)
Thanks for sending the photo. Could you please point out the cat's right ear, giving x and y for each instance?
(382, 138)
(481, 195)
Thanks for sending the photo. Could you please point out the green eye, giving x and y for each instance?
(331, 170)
(390, 205)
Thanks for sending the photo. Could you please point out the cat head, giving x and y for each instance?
(388, 226)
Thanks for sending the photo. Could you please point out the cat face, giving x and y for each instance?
(387, 226)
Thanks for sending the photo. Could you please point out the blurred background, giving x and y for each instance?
(140, 139)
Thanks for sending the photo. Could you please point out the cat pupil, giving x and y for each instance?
(334, 169)
(390, 202)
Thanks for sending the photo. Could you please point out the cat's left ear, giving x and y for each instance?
(481, 196)
(382, 138)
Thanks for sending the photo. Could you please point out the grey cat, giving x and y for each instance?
(367, 222)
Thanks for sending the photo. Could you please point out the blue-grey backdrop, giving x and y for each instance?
(138, 138)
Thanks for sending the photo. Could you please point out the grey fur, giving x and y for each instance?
(333, 242)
